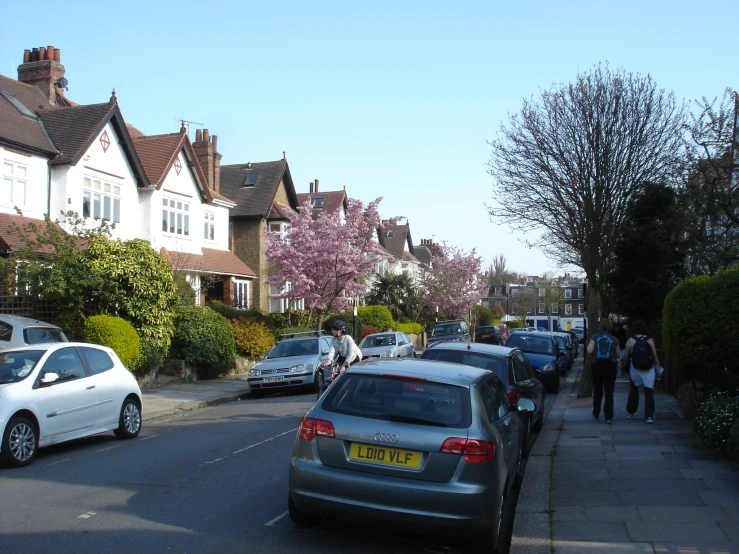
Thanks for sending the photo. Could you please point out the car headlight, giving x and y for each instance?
(254, 372)
(548, 367)
(297, 368)
(388, 354)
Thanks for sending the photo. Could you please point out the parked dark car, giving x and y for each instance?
(412, 444)
(453, 329)
(543, 354)
(509, 365)
(580, 332)
(489, 334)
(565, 346)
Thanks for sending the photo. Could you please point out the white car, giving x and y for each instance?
(389, 344)
(55, 392)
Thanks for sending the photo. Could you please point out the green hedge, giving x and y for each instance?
(252, 338)
(202, 337)
(515, 324)
(116, 333)
(692, 338)
(716, 421)
(378, 317)
(409, 328)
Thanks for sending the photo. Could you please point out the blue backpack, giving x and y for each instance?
(641, 354)
(603, 347)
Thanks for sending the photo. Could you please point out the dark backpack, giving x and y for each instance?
(603, 347)
(641, 354)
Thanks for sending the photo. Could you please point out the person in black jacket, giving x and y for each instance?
(605, 352)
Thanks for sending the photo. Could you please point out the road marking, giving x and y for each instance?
(216, 460)
(265, 440)
(271, 522)
(54, 463)
(149, 437)
(86, 516)
(109, 448)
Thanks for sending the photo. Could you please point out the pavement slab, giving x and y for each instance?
(687, 514)
(693, 548)
(672, 532)
(593, 531)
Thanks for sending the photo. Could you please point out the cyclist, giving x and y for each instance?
(343, 347)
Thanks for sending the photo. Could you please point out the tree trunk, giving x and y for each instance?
(585, 389)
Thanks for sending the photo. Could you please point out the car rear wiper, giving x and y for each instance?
(418, 420)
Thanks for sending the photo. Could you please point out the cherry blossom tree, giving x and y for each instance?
(453, 282)
(327, 260)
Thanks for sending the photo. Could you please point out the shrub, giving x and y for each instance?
(689, 397)
(348, 318)
(367, 330)
(714, 419)
(115, 333)
(409, 328)
(184, 289)
(253, 338)
(515, 324)
(152, 356)
(202, 337)
(288, 330)
(732, 446)
(378, 317)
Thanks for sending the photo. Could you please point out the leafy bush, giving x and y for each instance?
(732, 446)
(714, 419)
(347, 317)
(483, 315)
(202, 337)
(378, 317)
(152, 356)
(515, 324)
(116, 333)
(689, 397)
(367, 330)
(288, 330)
(409, 328)
(253, 338)
(185, 292)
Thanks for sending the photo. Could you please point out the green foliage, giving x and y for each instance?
(689, 397)
(184, 290)
(378, 317)
(252, 337)
(483, 315)
(300, 329)
(202, 337)
(515, 324)
(498, 313)
(714, 420)
(697, 340)
(732, 445)
(152, 356)
(398, 294)
(115, 333)
(347, 316)
(409, 328)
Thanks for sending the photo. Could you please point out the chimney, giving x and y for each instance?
(41, 68)
(315, 189)
(206, 151)
(311, 187)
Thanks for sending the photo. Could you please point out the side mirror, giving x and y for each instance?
(49, 378)
(324, 352)
(525, 405)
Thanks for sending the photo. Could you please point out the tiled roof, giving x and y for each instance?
(423, 254)
(24, 131)
(256, 200)
(279, 211)
(397, 243)
(157, 154)
(11, 241)
(221, 262)
(133, 131)
(334, 201)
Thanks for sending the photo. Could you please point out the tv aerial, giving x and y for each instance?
(179, 118)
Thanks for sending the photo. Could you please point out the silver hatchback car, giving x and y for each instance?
(17, 330)
(414, 444)
(390, 344)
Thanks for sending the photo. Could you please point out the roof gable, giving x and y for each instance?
(257, 200)
(333, 200)
(396, 243)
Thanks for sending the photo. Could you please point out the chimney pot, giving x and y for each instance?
(206, 135)
(284, 157)
(26, 56)
(49, 52)
(316, 187)
(198, 135)
(42, 53)
(215, 143)
(34, 55)
(311, 187)
(57, 55)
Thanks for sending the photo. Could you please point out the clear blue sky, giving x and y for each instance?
(387, 98)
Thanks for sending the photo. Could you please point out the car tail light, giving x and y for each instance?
(311, 428)
(514, 395)
(472, 450)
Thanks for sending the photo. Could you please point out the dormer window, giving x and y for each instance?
(250, 180)
(389, 233)
(319, 202)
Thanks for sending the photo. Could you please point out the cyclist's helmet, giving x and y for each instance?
(339, 325)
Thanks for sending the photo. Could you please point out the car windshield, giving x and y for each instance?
(400, 399)
(492, 363)
(561, 341)
(296, 347)
(491, 330)
(450, 329)
(17, 365)
(40, 335)
(373, 341)
(531, 344)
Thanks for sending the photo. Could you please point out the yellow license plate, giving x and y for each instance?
(486, 336)
(385, 456)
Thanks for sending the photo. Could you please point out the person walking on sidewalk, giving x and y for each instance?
(641, 358)
(605, 353)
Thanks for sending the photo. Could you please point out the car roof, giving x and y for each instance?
(533, 333)
(380, 333)
(478, 347)
(431, 370)
(21, 320)
(50, 346)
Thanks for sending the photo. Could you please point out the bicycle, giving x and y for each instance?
(335, 372)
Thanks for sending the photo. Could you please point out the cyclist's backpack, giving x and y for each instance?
(603, 346)
(641, 354)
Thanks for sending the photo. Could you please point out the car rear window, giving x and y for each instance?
(40, 335)
(450, 329)
(531, 344)
(483, 361)
(399, 398)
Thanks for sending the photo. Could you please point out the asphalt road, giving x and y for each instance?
(212, 480)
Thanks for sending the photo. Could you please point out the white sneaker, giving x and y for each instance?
(649, 420)
(631, 416)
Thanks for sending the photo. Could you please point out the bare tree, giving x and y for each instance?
(523, 303)
(570, 162)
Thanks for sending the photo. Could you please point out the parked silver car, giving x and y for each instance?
(16, 330)
(293, 362)
(390, 344)
(415, 444)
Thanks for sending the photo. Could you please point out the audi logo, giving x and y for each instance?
(383, 437)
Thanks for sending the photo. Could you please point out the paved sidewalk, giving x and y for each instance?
(625, 488)
(181, 397)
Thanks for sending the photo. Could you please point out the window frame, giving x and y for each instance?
(568, 294)
(568, 309)
(95, 208)
(581, 309)
(542, 308)
(14, 182)
(209, 227)
(172, 206)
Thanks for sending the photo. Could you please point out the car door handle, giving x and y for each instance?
(91, 387)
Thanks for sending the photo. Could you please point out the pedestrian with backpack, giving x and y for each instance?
(605, 353)
(640, 358)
